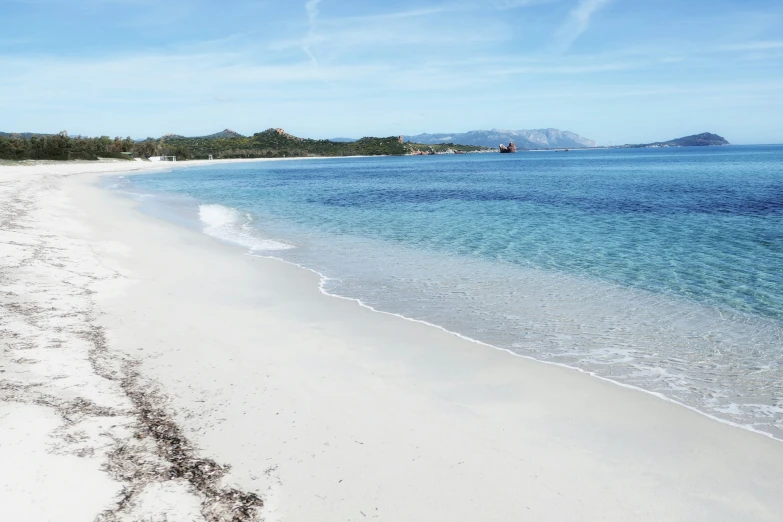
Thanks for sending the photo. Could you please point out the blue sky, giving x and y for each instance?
(615, 71)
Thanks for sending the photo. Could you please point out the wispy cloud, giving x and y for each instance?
(568, 69)
(766, 45)
(397, 15)
(506, 4)
(578, 22)
(360, 35)
(311, 7)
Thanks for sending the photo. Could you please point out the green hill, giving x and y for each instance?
(227, 133)
(705, 139)
(276, 143)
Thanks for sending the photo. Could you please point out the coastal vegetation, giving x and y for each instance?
(276, 143)
(271, 143)
(63, 147)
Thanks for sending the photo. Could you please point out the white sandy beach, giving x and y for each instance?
(149, 372)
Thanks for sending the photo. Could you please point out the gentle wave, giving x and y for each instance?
(229, 224)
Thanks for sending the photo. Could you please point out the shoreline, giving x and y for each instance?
(325, 402)
(142, 165)
(323, 278)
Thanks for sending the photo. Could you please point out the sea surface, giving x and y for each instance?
(660, 269)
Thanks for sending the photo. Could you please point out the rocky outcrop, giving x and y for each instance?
(284, 134)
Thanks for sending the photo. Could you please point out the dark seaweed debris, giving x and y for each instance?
(174, 456)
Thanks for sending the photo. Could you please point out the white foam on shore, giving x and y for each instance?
(233, 226)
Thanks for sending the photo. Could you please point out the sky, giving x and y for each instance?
(615, 71)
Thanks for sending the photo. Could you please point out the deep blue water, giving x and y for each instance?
(660, 268)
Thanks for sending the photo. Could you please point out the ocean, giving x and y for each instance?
(659, 269)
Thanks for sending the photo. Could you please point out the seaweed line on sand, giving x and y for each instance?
(52, 350)
(177, 458)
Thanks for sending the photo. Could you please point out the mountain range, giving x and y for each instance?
(524, 139)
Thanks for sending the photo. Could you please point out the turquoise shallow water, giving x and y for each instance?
(657, 268)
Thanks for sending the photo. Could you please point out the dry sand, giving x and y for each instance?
(139, 360)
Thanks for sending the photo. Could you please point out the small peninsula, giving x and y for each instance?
(705, 139)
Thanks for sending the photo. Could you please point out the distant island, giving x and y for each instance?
(705, 139)
(227, 144)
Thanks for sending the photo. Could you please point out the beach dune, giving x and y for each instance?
(279, 402)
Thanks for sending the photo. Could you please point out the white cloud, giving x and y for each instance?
(340, 38)
(569, 69)
(311, 7)
(767, 45)
(509, 4)
(578, 22)
(413, 13)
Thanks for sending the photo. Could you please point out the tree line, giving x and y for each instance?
(272, 143)
(63, 147)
